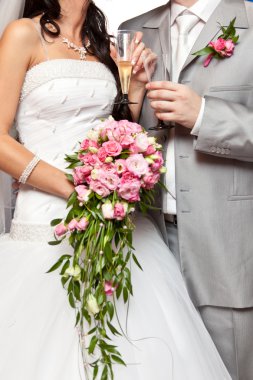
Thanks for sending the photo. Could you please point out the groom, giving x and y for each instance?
(207, 218)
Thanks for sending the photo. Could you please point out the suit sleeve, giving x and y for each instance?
(226, 130)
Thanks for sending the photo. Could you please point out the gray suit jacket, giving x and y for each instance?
(214, 171)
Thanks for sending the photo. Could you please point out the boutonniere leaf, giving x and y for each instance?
(223, 47)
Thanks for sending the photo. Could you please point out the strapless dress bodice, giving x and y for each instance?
(60, 101)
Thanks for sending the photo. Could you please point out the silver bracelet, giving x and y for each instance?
(28, 170)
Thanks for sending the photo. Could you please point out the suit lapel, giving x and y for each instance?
(161, 21)
(223, 14)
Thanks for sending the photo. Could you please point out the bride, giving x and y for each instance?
(55, 98)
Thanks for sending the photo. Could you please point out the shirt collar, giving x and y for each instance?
(202, 8)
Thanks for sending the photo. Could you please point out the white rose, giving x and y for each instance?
(151, 140)
(142, 142)
(92, 149)
(73, 272)
(108, 210)
(92, 305)
(93, 135)
(163, 170)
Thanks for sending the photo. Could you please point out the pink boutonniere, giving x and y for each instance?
(221, 48)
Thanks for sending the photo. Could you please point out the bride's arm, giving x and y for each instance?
(17, 48)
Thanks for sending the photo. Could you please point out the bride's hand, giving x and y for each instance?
(140, 55)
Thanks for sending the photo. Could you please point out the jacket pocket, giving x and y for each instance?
(242, 187)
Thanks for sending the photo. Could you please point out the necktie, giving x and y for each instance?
(185, 23)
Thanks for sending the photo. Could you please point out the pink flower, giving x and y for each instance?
(129, 127)
(110, 180)
(150, 180)
(229, 48)
(134, 148)
(110, 168)
(83, 193)
(99, 188)
(60, 230)
(112, 148)
(129, 187)
(72, 226)
(86, 144)
(109, 288)
(102, 154)
(158, 162)
(126, 140)
(108, 128)
(82, 224)
(89, 159)
(108, 210)
(137, 165)
(121, 166)
(120, 210)
(218, 45)
(80, 173)
(150, 150)
(142, 142)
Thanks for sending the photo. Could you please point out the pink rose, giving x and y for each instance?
(82, 224)
(109, 288)
(108, 128)
(80, 173)
(229, 48)
(218, 45)
(112, 148)
(129, 187)
(99, 188)
(82, 193)
(142, 142)
(108, 211)
(110, 180)
(111, 168)
(150, 180)
(134, 149)
(126, 140)
(120, 211)
(129, 127)
(72, 226)
(102, 154)
(121, 166)
(86, 144)
(60, 230)
(89, 159)
(137, 165)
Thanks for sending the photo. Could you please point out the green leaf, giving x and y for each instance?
(119, 290)
(71, 300)
(55, 266)
(92, 345)
(207, 50)
(118, 360)
(64, 280)
(110, 309)
(55, 242)
(136, 261)
(65, 267)
(78, 317)
(86, 315)
(70, 177)
(113, 329)
(72, 199)
(105, 373)
(92, 331)
(95, 372)
(125, 294)
(77, 290)
(55, 222)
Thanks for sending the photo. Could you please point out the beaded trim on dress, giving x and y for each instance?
(63, 68)
(31, 232)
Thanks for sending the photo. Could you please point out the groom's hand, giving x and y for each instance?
(174, 102)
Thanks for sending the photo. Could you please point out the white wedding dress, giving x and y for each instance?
(61, 100)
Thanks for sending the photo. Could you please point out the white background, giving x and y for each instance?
(121, 10)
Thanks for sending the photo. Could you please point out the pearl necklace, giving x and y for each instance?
(81, 50)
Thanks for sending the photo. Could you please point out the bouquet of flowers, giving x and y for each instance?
(116, 167)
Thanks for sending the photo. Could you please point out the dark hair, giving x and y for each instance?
(94, 27)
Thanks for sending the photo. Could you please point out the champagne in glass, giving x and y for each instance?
(125, 48)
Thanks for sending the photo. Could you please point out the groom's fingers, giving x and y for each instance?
(162, 106)
(167, 95)
(165, 85)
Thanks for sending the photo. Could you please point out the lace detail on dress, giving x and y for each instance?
(63, 68)
(31, 232)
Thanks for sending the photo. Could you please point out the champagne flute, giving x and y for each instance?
(157, 70)
(125, 45)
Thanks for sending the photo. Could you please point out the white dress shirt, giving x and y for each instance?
(203, 9)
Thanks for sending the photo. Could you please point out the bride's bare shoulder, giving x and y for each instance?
(21, 31)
